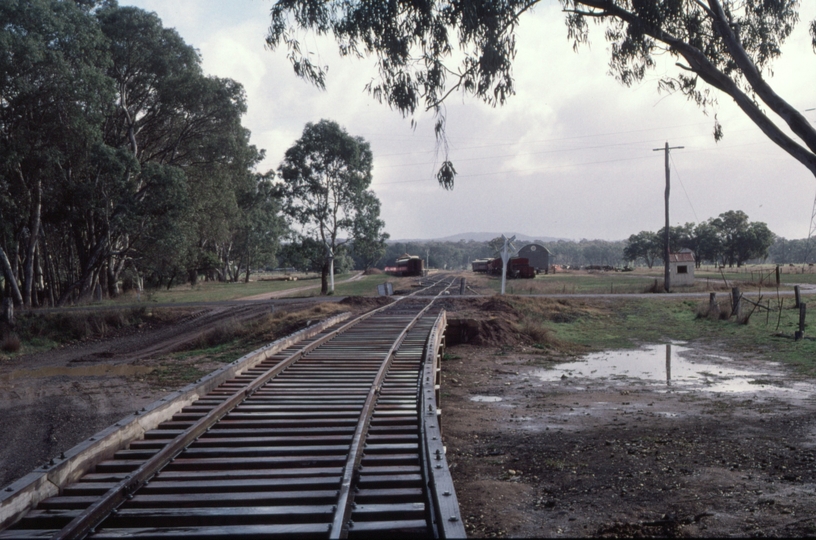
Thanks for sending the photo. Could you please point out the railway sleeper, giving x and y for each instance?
(188, 517)
(273, 466)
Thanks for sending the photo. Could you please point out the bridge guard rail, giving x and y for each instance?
(444, 504)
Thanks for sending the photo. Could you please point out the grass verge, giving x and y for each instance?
(229, 341)
(598, 324)
(36, 331)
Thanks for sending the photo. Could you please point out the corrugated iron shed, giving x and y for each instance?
(683, 256)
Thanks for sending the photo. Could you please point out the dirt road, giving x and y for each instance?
(297, 290)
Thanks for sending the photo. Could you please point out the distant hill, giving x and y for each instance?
(481, 237)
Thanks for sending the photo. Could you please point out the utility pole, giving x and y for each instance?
(666, 274)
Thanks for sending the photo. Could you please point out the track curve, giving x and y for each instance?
(335, 437)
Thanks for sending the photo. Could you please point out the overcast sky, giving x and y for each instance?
(569, 156)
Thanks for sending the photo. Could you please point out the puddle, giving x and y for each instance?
(102, 370)
(485, 399)
(670, 366)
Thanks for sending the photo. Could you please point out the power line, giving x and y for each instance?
(504, 172)
(721, 147)
(533, 169)
(677, 172)
(541, 141)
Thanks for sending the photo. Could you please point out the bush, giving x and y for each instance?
(716, 312)
(535, 331)
(10, 343)
(656, 287)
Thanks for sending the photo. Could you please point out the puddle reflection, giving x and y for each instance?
(646, 365)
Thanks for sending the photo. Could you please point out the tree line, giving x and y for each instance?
(730, 239)
(727, 240)
(122, 162)
(459, 255)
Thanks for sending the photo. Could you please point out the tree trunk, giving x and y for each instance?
(49, 270)
(104, 274)
(40, 272)
(89, 274)
(11, 279)
(114, 270)
(324, 279)
(8, 312)
(34, 228)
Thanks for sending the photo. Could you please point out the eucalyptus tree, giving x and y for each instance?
(741, 239)
(257, 234)
(325, 175)
(180, 131)
(116, 149)
(52, 98)
(708, 244)
(302, 253)
(644, 245)
(426, 51)
(168, 114)
(369, 232)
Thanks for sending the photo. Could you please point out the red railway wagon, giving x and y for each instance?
(517, 267)
(480, 265)
(409, 265)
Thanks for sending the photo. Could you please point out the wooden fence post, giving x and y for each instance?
(778, 280)
(462, 286)
(797, 295)
(735, 302)
(801, 332)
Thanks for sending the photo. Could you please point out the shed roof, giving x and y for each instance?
(684, 256)
(534, 247)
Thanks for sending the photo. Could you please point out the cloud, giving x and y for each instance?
(570, 155)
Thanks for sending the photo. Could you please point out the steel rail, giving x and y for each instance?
(339, 525)
(86, 522)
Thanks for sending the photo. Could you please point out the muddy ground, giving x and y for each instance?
(564, 457)
(537, 455)
(51, 401)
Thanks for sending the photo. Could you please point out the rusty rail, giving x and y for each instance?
(325, 440)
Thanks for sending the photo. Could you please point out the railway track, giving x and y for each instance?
(337, 436)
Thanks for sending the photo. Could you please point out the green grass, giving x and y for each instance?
(629, 323)
(176, 374)
(41, 331)
(754, 273)
(230, 341)
(593, 283)
(212, 291)
(367, 286)
(642, 280)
